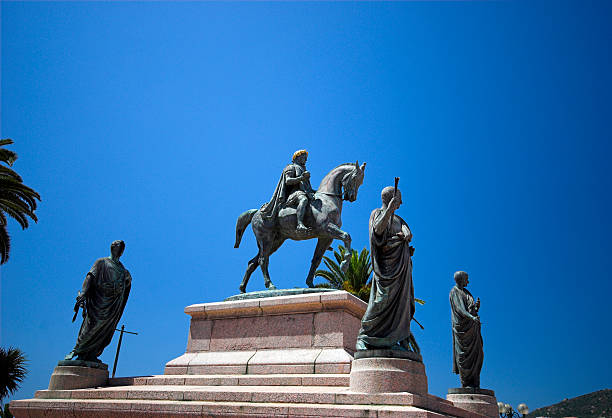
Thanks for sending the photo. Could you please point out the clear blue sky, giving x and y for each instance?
(159, 123)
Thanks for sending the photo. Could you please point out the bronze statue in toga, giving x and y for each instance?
(467, 342)
(103, 297)
(386, 323)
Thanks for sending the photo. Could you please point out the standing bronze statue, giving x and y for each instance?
(467, 342)
(102, 298)
(298, 212)
(386, 322)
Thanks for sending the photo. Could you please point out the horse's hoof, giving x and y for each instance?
(270, 286)
(309, 283)
(242, 289)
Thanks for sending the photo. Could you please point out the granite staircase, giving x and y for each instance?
(271, 395)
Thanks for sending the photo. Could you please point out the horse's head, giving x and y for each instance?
(351, 182)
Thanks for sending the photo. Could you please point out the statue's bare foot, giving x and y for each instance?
(301, 228)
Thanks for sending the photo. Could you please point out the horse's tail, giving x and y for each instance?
(243, 221)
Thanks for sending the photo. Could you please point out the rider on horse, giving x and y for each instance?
(293, 189)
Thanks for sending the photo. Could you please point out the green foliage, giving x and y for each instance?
(355, 280)
(16, 199)
(6, 413)
(12, 370)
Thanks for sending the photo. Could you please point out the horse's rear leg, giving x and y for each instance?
(251, 267)
(322, 246)
(263, 263)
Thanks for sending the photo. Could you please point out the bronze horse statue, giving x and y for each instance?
(323, 221)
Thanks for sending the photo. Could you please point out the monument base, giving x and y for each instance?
(281, 356)
(378, 374)
(69, 374)
(481, 401)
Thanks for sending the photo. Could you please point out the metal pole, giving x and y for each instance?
(118, 348)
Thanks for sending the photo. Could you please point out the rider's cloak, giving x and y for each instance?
(283, 191)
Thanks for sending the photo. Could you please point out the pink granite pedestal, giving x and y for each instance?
(309, 333)
(481, 401)
(77, 377)
(388, 375)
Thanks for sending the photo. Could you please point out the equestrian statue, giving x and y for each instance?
(298, 212)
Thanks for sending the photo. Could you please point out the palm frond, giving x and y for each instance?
(15, 211)
(333, 267)
(333, 280)
(8, 172)
(16, 199)
(12, 370)
(5, 243)
(7, 156)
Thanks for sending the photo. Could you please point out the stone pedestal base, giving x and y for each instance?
(481, 401)
(301, 333)
(78, 377)
(378, 374)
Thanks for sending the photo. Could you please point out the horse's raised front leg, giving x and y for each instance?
(337, 233)
(251, 267)
(322, 246)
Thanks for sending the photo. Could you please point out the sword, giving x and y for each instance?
(395, 190)
(415, 320)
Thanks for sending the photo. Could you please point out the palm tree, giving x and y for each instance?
(16, 199)
(355, 280)
(12, 372)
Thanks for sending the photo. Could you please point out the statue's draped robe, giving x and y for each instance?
(106, 292)
(283, 192)
(386, 321)
(467, 342)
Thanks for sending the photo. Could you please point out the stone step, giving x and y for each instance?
(80, 408)
(312, 395)
(235, 380)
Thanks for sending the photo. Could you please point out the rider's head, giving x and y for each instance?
(387, 194)
(300, 156)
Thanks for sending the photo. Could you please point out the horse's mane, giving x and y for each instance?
(323, 181)
(353, 164)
